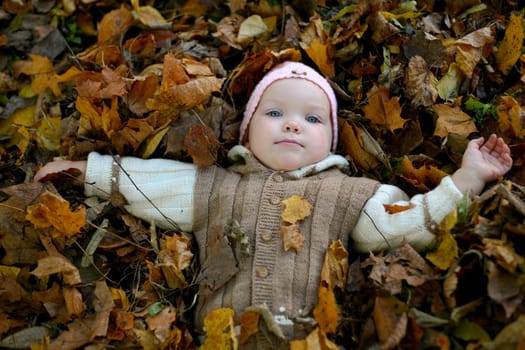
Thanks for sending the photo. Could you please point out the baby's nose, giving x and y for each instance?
(291, 126)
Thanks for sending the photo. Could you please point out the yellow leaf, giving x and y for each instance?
(43, 74)
(151, 17)
(326, 313)
(510, 49)
(9, 271)
(295, 209)
(314, 40)
(510, 117)
(447, 249)
(448, 86)
(22, 117)
(220, 330)
(452, 120)
(120, 298)
(48, 132)
(54, 212)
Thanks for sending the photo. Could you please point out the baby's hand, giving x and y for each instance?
(482, 162)
(60, 165)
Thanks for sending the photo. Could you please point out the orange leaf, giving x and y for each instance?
(452, 120)
(54, 212)
(383, 111)
(113, 24)
(335, 266)
(353, 145)
(295, 209)
(423, 178)
(510, 117)
(292, 237)
(393, 209)
(316, 340)
(326, 313)
(179, 246)
(220, 330)
(249, 325)
(202, 145)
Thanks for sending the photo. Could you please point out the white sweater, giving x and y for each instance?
(169, 185)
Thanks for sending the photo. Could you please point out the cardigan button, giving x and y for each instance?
(261, 272)
(275, 200)
(266, 236)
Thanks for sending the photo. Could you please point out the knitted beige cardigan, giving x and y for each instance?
(286, 282)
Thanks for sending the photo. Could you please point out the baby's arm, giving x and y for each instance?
(377, 229)
(482, 162)
(156, 190)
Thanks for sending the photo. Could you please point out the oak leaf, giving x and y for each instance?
(55, 212)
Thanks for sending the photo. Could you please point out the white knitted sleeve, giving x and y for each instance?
(375, 226)
(157, 190)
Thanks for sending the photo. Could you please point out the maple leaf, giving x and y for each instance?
(423, 178)
(54, 212)
(105, 84)
(452, 120)
(383, 111)
(220, 330)
(295, 208)
(314, 40)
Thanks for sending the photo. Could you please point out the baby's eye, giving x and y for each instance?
(312, 119)
(274, 113)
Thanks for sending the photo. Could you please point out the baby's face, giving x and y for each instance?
(291, 127)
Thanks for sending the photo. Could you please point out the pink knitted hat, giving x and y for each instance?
(290, 70)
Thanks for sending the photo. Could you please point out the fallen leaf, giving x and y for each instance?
(295, 208)
(510, 48)
(396, 208)
(54, 212)
(447, 249)
(113, 24)
(423, 178)
(421, 84)
(510, 118)
(470, 49)
(391, 321)
(251, 28)
(202, 145)
(249, 322)
(353, 145)
(452, 120)
(292, 237)
(382, 110)
(317, 339)
(58, 264)
(326, 313)
(220, 330)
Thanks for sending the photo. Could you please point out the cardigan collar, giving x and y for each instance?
(245, 162)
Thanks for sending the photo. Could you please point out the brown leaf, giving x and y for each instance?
(470, 49)
(105, 84)
(423, 178)
(202, 145)
(391, 321)
(292, 237)
(421, 84)
(113, 24)
(353, 145)
(58, 264)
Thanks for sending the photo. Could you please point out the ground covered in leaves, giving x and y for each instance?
(415, 80)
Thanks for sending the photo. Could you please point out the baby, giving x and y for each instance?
(287, 142)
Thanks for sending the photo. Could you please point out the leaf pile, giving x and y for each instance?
(415, 80)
